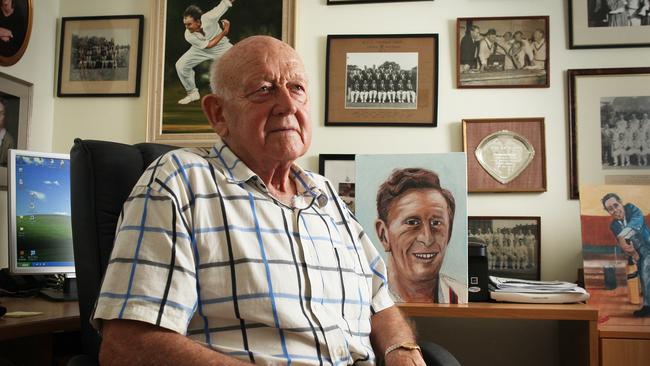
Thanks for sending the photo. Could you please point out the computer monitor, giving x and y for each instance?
(40, 231)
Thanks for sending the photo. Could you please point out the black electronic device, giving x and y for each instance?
(478, 278)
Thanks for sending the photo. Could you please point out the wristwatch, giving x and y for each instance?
(405, 345)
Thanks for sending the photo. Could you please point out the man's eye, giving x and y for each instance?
(435, 223)
(412, 222)
(265, 89)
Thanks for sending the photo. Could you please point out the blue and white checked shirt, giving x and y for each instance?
(204, 250)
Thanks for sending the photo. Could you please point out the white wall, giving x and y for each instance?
(37, 67)
(114, 119)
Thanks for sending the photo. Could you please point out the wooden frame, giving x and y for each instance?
(12, 47)
(340, 170)
(345, 2)
(589, 25)
(16, 98)
(100, 56)
(355, 62)
(503, 235)
(520, 60)
(505, 154)
(589, 90)
(185, 125)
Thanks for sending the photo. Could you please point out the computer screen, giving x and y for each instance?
(40, 233)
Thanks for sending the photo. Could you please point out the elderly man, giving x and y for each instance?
(235, 254)
(415, 217)
(633, 236)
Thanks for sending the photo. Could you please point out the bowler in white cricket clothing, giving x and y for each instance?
(208, 41)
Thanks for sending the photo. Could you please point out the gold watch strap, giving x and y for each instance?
(405, 345)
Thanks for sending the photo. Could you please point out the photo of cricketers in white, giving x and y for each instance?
(206, 34)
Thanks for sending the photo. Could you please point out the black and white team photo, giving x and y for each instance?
(381, 80)
(625, 132)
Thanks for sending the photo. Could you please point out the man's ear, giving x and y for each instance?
(213, 110)
(382, 234)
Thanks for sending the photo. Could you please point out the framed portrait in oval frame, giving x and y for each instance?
(15, 29)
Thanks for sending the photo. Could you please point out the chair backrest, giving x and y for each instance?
(102, 174)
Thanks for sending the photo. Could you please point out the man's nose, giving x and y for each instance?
(426, 236)
(285, 104)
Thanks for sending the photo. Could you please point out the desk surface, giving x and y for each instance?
(503, 311)
(57, 316)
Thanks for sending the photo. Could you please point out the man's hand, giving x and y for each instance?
(225, 25)
(404, 357)
(5, 34)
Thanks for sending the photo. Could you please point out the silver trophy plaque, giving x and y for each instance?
(504, 155)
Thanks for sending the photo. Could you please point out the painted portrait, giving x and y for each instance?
(616, 251)
(414, 208)
(15, 29)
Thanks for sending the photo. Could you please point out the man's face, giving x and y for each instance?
(266, 116)
(615, 208)
(417, 234)
(538, 36)
(6, 5)
(191, 24)
(475, 32)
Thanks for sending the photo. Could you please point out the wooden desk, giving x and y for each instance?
(57, 316)
(578, 330)
(45, 339)
(624, 345)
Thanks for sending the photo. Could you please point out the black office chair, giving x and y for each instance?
(102, 175)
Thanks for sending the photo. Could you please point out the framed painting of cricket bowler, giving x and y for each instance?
(502, 52)
(100, 56)
(15, 30)
(382, 80)
(187, 37)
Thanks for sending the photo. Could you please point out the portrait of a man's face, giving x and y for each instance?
(416, 233)
(413, 217)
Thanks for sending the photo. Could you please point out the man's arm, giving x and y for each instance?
(128, 342)
(226, 28)
(388, 327)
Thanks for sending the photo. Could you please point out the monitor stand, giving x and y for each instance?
(69, 292)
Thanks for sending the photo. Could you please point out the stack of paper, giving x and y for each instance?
(516, 290)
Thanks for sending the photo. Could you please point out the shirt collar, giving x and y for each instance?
(236, 172)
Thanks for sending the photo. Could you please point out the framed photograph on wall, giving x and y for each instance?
(340, 170)
(100, 56)
(15, 30)
(177, 79)
(505, 154)
(609, 126)
(513, 244)
(609, 24)
(15, 117)
(381, 80)
(503, 52)
(342, 2)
